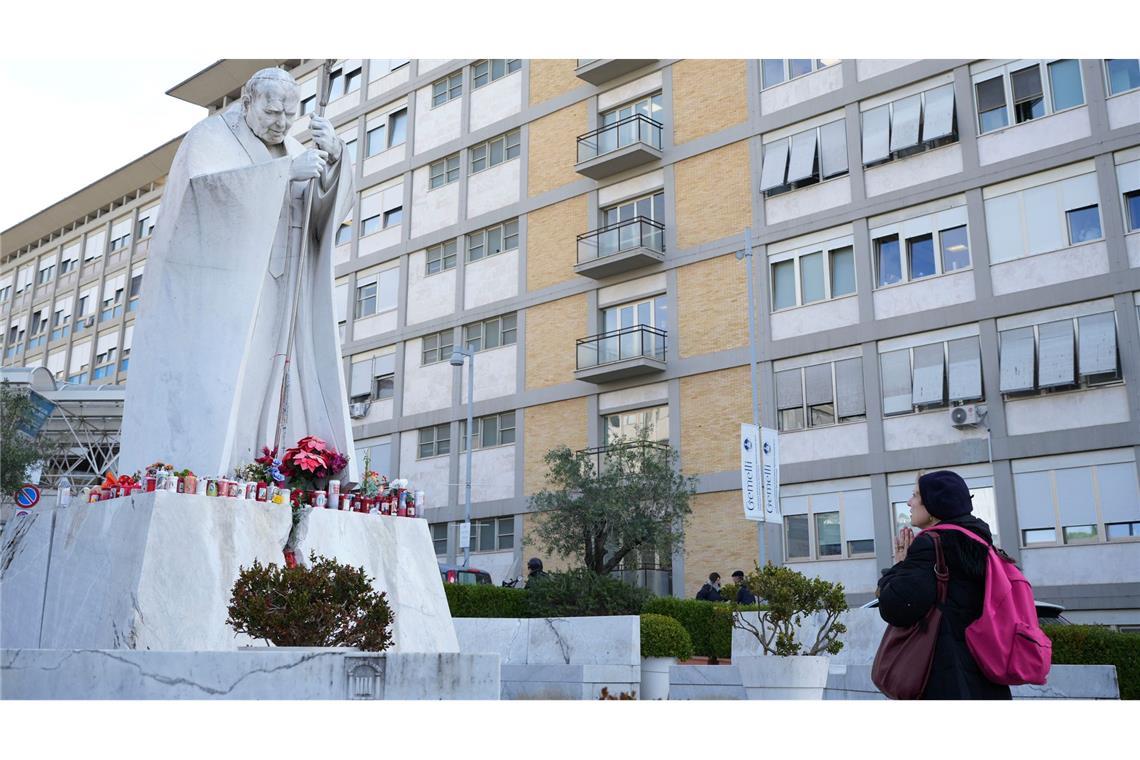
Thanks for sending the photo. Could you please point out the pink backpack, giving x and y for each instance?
(1006, 641)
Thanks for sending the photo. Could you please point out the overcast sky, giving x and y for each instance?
(71, 122)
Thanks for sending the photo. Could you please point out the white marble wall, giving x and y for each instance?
(924, 167)
(932, 428)
(493, 188)
(801, 89)
(429, 296)
(425, 387)
(1065, 411)
(1043, 269)
(808, 200)
(496, 100)
(432, 209)
(429, 475)
(493, 473)
(1034, 135)
(815, 317)
(495, 373)
(927, 293)
(491, 279)
(435, 126)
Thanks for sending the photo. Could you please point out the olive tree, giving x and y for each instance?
(600, 505)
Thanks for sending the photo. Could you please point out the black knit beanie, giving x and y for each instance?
(945, 495)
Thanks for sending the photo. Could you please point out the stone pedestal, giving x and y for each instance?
(155, 570)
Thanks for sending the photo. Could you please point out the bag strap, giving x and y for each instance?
(941, 571)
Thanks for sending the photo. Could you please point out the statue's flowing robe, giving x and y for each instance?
(208, 350)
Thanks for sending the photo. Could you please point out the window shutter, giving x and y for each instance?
(1075, 496)
(938, 120)
(384, 365)
(858, 516)
(789, 393)
(1017, 352)
(876, 134)
(1119, 492)
(1055, 365)
(794, 505)
(991, 94)
(850, 401)
(965, 369)
(818, 382)
(929, 374)
(904, 122)
(361, 384)
(833, 149)
(1097, 343)
(896, 381)
(802, 163)
(775, 164)
(1034, 496)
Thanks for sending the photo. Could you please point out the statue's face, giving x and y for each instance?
(271, 111)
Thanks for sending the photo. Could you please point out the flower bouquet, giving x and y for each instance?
(307, 466)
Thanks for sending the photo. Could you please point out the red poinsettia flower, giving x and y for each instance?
(312, 443)
(307, 462)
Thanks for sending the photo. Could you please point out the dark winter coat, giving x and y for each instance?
(744, 595)
(909, 589)
(709, 593)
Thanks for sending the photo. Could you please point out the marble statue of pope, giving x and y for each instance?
(209, 346)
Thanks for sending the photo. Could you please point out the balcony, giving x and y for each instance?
(620, 247)
(625, 144)
(598, 71)
(616, 355)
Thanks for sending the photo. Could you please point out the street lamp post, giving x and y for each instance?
(457, 357)
(746, 254)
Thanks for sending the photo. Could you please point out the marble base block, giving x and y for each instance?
(155, 571)
(275, 673)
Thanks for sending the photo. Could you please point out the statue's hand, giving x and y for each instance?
(308, 165)
(324, 136)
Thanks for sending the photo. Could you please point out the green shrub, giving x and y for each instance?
(485, 601)
(789, 597)
(709, 624)
(1093, 645)
(581, 593)
(324, 605)
(662, 636)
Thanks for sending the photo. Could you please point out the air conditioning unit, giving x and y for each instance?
(358, 410)
(89, 322)
(964, 416)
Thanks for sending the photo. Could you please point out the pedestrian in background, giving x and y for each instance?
(710, 592)
(744, 594)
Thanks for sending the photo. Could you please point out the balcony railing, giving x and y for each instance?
(620, 247)
(600, 455)
(638, 128)
(630, 351)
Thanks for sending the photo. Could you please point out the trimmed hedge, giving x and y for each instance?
(1093, 645)
(709, 623)
(582, 593)
(663, 636)
(485, 601)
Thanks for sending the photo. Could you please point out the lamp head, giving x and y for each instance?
(456, 359)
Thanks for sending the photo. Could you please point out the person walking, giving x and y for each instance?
(744, 594)
(710, 592)
(908, 590)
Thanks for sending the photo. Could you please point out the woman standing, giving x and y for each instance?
(908, 589)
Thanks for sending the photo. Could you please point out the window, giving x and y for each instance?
(1029, 221)
(1022, 84)
(365, 300)
(146, 222)
(45, 274)
(67, 265)
(369, 225)
(439, 538)
(436, 347)
(388, 134)
(308, 105)
(931, 376)
(775, 71)
(444, 171)
(121, 242)
(1132, 210)
(497, 534)
(344, 233)
(341, 83)
(492, 430)
(375, 455)
(837, 525)
(1062, 355)
(1123, 74)
(490, 333)
(492, 240)
(909, 125)
(5, 293)
(942, 250)
(628, 425)
(376, 292)
(804, 158)
(393, 216)
(434, 441)
(485, 72)
(1084, 224)
(625, 129)
(441, 257)
(650, 312)
(805, 277)
(1091, 503)
(495, 151)
(820, 395)
(350, 150)
(373, 378)
(447, 89)
(382, 67)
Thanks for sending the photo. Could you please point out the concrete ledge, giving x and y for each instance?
(271, 673)
(1064, 682)
(705, 682)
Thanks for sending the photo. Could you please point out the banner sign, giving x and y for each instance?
(750, 471)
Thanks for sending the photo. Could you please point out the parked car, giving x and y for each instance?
(464, 575)
(1048, 613)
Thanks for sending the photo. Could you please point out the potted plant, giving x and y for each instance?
(791, 667)
(323, 604)
(663, 642)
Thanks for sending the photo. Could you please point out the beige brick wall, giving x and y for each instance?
(713, 405)
(551, 331)
(717, 539)
(551, 242)
(554, 149)
(545, 427)
(713, 195)
(551, 563)
(708, 95)
(712, 305)
(550, 77)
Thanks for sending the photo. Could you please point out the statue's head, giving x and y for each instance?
(270, 103)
